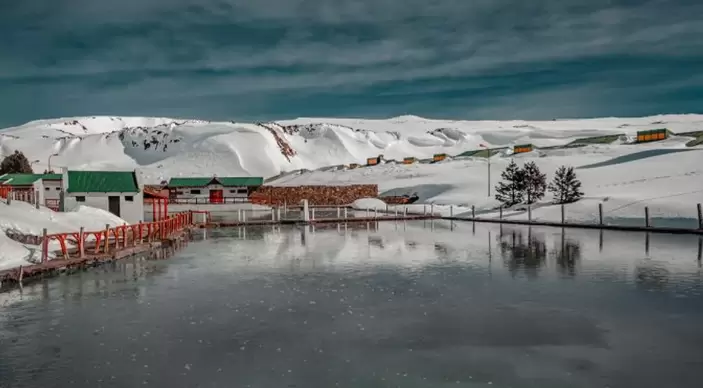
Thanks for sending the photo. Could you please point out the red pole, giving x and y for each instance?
(166, 207)
(153, 210)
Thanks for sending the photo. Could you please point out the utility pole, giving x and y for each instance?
(49, 163)
(488, 158)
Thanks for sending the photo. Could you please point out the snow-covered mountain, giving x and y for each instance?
(165, 147)
(666, 176)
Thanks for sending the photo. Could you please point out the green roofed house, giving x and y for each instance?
(119, 192)
(28, 187)
(212, 190)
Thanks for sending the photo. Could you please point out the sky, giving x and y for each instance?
(249, 60)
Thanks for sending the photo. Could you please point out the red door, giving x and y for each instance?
(215, 196)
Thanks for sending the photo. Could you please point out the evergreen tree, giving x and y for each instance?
(535, 183)
(15, 163)
(510, 192)
(565, 187)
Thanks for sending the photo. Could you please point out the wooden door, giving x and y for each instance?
(113, 205)
(215, 196)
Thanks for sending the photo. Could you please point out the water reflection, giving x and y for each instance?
(422, 304)
(522, 251)
(568, 255)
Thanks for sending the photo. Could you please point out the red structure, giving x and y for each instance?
(5, 191)
(159, 204)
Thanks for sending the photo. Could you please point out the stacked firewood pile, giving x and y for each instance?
(316, 195)
(283, 145)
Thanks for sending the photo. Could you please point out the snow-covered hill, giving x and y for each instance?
(626, 176)
(164, 147)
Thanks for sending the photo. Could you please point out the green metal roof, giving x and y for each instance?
(102, 182)
(224, 181)
(52, 177)
(20, 179)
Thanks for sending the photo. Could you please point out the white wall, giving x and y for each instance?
(132, 212)
(39, 186)
(185, 192)
(52, 189)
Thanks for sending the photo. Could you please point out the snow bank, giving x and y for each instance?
(368, 204)
(26, 219)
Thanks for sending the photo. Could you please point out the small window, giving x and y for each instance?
(58, 189)
(80, 198)
(47, 188)
(195, 191)
(233, 191)
(242, 191)
(129, 198)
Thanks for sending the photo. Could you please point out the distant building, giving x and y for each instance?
(119, 192)
(213, 190)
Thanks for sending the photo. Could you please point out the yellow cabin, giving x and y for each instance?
(652, 135)
(519, 149)
(353, 165)
(439, 157)
(371, 161)
(409, 160)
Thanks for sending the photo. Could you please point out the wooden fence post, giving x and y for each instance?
(451, 210)
(44, 247)
(473, 211)
(700, 217)
(432, 210)
(500, 214)
(81, 243)
(141, 232)
(529, 213)
(562, 214)
(600, 214)
(107, 238)
(646, 217)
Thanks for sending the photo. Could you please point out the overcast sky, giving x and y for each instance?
(273, 59)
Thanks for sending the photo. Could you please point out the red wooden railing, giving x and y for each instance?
(118, 237)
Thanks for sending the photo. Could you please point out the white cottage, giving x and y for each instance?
(119, 192)
(212, 190)
(24, 187)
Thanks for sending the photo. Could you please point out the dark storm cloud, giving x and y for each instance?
(249, 59)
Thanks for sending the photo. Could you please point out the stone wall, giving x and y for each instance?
(316, 195)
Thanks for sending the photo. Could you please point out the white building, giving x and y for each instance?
(53, 185)
(24, 187)
(212, 190)
(119, 192)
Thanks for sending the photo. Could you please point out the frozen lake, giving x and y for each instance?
(420, 304)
